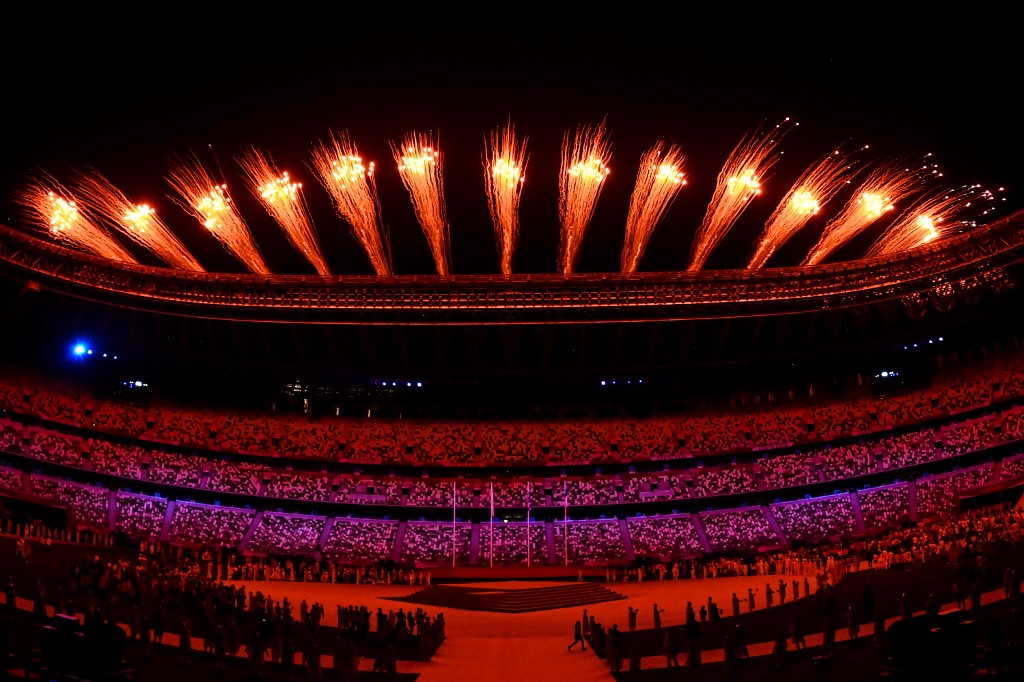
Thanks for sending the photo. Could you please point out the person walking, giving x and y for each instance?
(799, 641)
(852, 623)
(577, 636)
(671, 647)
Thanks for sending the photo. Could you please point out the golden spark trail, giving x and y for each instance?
(585, 158)
(209, 202)
(928, 220)
(812, 190)
(283, 200)
(738, 182)
(658, 181)
(354, 192)
(138, 222)
(53, 208)
(504, 174)
(878, 195)
(419, 165)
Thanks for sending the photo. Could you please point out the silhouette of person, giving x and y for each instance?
(671, 648)
(735, 605)
(614, 651)
(577, 636)
(632, 618)
(799, 641)
(868, 603)
(779, 649)
(740, 636)
(852, 623)
(657, 616)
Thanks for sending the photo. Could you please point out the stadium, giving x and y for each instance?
(585, 434)
(565, 355)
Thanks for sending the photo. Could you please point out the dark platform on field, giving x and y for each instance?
(506, 598)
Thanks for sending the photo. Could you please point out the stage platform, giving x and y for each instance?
(449, 574)
(514, 596)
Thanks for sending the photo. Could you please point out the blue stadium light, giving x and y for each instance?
(79, 349)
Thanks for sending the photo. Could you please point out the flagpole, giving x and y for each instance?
(492, 524)
(454, 497)
(565, 523)
(529, 495)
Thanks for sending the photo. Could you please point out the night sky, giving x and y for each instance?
(125, 101)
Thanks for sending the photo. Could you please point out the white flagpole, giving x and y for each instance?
(566, 522)
(454, 497)
(492, 524)
(529, 495)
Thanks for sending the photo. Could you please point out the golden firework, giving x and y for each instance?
(658, 181)
(351, 184)
(739, 181)
(53, 208)
(585, 157)
(199, 194)
(504, 174)
(138, 222)
(419, 166)
(282, 198)
(929, 219)
(812, 190)
(886, 186)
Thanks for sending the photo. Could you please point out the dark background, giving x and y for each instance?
(126, 93)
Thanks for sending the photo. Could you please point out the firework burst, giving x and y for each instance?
(739, 181)
(138, 222)
(209, 202)
(53, 208)
(658, 182)
(283, 200)
(878, 195)
(504, 174)
(585, 158)
(419, 165)
(353, 190)
(930, 219)
(812, 190)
